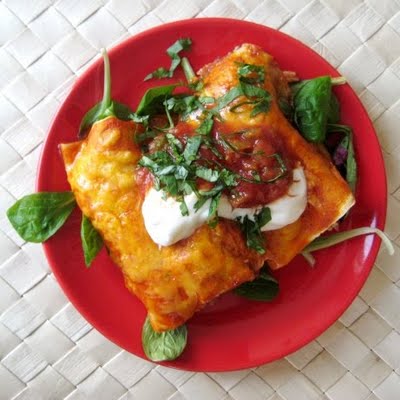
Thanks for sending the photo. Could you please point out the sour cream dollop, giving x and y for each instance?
(166, 225)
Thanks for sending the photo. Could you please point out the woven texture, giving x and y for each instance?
(47, 350)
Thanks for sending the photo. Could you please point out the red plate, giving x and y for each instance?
(232, 333)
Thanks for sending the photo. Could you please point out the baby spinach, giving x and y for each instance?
(344, 153)
(334, 110)
(264, 288)
(152, 101)
(164, 346)
(107, 107)
(314, 105)
(311, 103)
(173, 52)
(38, 216)
(92, 242)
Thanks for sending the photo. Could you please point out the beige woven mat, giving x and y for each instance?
(47, 351)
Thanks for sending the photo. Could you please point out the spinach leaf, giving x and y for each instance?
(92, 242)
(38, 216)
(164, 346)
(312, 102)
(344, 153)
(264, 288)
(334, 110)
(173, 52)
(252, 229)
(152, 101)
(107, 107)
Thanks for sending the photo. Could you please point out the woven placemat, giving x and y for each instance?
(47, 350)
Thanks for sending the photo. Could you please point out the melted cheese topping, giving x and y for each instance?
(166, 225)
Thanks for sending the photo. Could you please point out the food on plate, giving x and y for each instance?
(204, 184)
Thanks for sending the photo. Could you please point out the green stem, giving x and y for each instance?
(339, 80)
(106, 102)
(331, 240)
(188, 70)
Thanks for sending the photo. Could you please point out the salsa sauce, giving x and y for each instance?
(256, 155)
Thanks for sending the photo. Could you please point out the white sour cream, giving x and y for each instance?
(164, 221)
(166, 225)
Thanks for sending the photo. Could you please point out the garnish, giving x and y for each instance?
(314, 105)
(324, 242)
(153, 100)
(251, 229)
(264, 288)
(258, 97)
(173, 52)
(344, 153)
(107, 107)
(164, 346)
(92, 242)
(38, 216)
(249, 73)
(175, 172)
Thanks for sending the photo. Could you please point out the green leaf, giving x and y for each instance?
(261, 106)
(249, 73)
(159, 73)
(152, 101)
(346, 145)
(92, 242)
(252, 229)
(173, 52)
(324, 242)
(264, 288)
(192, 148)
(205, 126)
(178, 46)
(183, 207)
(263, 217)
(107, 107)
(165, 346)
(183, 104)
(208, 174)
(214, 205)
(351, 165)
(312, 105)
(227, 98)
(334, 110)
(254, 91)
(38, 216)
(256, 95)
